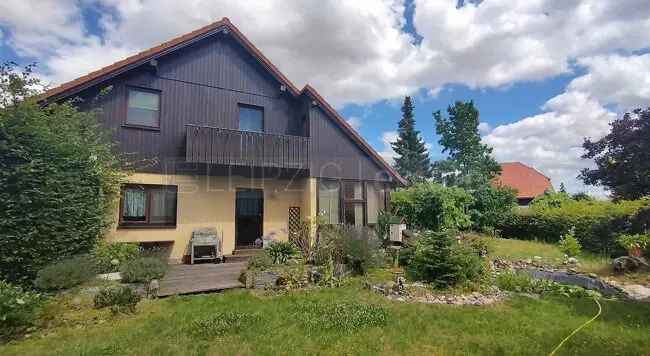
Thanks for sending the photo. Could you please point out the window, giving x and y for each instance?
(251, 118)
(328, 201)
(148, 205)
(143, 108)
(376, 194)
(354, 204)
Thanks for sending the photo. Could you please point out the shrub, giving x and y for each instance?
(260, 261)
(357, 246)
(281, 251)
(634, 241)
(143, 269)
(18, 308)
(491, 205)
(597, 224)
(550, 201)
(222, 323)
(569, 245)
(110, 256)
(440, 260)
(480, 244)
(431, 206)
(305, 237)
(66, 274)
(120, 299)
(59, 178)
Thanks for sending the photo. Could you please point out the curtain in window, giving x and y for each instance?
(354, 214)
(134, 204)
(328, 200)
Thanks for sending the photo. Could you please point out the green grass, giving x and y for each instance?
(347, 320)
(550, 253)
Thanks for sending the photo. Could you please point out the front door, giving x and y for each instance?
(249, 214)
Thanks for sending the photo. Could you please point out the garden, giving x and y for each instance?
(471, 274)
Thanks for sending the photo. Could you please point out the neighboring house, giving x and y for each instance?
(527, 181)
(222, 139)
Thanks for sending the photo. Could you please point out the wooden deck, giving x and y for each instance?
(205, 277)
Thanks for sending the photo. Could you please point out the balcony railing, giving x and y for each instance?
(215, 145)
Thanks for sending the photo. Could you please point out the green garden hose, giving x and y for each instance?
(600, 310)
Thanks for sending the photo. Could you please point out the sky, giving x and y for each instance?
(544, 74)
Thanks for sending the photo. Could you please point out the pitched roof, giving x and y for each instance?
(528, 181)
(90, 79)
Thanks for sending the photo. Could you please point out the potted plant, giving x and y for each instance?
(634, 244)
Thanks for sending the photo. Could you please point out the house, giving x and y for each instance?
(527, 181)
(220, 138)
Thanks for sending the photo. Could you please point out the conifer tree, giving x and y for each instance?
(412, 160)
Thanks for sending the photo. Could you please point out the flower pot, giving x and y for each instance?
(635, 252)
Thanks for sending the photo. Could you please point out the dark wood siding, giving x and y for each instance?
(335, 155)
(201, 85)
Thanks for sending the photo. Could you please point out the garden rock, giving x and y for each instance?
(115, 276)
(626, 264)
(637, 292)
(153, 288)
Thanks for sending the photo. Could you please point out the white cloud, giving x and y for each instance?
(358, 53)
(355, 122)
(387, 151)
(484, 128)
(552, 141)
(615, 79)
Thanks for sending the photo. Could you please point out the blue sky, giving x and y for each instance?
(544, 74)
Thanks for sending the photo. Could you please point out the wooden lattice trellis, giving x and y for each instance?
(294, 221)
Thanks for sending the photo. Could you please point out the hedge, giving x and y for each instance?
(597, 223)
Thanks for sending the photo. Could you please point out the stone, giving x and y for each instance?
(537, 258)
(637, 291)
(115, 276)
(572, 260)
(626, 264)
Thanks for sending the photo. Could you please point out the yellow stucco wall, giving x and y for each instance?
(205, 201)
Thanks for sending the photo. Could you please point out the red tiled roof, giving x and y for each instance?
(528, 181)
(80, 83)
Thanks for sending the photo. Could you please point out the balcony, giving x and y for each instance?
(215, 145)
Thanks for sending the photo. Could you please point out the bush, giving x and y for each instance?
(357, 246)
(480, 244)
(569, 245)
(439, 259)
(66, 274)
(628, 241)
(120, 299)
(281, 251)
(260, 261)
(550, 201)
(18, 308)
(59, 178)
(431, 206)
(109, 256)
(597, 224)
(143, 270)
(222, 323)
(491, 205)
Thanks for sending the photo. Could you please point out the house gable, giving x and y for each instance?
(190, 68)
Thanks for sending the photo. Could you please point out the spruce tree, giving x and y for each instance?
(412, 160)
(470, 163)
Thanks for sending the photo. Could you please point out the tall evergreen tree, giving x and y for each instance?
(412, 161)
(470, 163)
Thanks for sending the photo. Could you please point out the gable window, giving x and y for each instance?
(145, 205)
(143, 108)
(251, 118)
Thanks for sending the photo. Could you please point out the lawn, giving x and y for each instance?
(338, 321)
